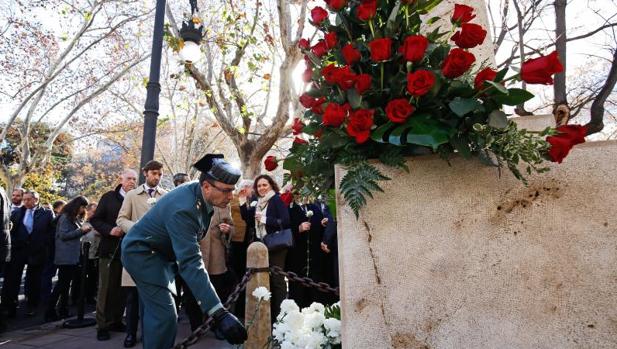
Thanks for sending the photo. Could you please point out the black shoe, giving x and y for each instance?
(11, 313)
(119, 327)
(64, 313)
(130, 340)
(102, 335)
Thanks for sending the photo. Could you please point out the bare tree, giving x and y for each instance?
(248, 40)
(51, 77)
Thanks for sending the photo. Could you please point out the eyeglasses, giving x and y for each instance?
(224, 191)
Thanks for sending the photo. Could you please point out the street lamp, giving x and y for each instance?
(192, 36)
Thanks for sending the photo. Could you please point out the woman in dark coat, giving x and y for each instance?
(270, 215)
(69, 230)
(306, 258)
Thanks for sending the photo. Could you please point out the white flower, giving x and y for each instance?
(316, 340)
(254, 203)
(309, 214)
(333, 328)
(314, 320)
(288, 306)
(295, 320)
(151, 201)
(261, 293)
(316, 307)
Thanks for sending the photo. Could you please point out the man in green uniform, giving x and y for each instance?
(166, 242)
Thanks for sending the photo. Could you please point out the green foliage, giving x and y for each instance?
(360, 181)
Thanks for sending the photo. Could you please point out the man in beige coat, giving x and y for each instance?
(135, 205)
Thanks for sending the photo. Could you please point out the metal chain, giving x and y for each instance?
(233, 297)
(205, 327)
(305, 281)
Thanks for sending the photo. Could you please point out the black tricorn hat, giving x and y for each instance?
(216, 168)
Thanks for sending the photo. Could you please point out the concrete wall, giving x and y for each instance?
(457, 257)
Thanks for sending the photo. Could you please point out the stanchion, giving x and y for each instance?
(81, 321)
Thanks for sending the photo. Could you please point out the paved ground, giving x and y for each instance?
(52, 335)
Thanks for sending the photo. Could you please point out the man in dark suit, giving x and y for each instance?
(109, 302)
(5, 237)
(31, 236)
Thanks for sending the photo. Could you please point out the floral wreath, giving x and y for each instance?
(380, 87)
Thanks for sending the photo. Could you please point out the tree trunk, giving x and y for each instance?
(559, 88)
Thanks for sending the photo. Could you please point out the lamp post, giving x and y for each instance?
(190, 53)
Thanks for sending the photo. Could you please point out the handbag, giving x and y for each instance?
(279, 240)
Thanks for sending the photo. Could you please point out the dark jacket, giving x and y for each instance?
(277, 215)
(104, 220)
(37, 244)
(306, 257)
(5, 227)
(68, 245)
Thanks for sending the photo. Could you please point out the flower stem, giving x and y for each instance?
(382, 69)
(407, 16)
(370, 25)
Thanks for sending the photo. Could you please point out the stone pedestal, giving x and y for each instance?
(455, 256)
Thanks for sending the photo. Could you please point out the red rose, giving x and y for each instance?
(330, 40)
(307, 75)
(381, 49)
(306, 100)
(344, 77)
(320, 48)
(367, 10)
(336, 4)
(569, 136)
(317, 107)
(359, 125)
(297, 126)
(350, 54)
(540, 70)
(414, 47)
(457, 63)
(462, 14)
(363, 83)
(318, 15)
(335, 114)
(304, 44)
(398, 110)
(271, 163)
(287, 197)
(484, 75)
(299, 140)
(420, 82)
(471, 35)
(329, 73)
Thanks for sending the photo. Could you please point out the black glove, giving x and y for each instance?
(229, 326)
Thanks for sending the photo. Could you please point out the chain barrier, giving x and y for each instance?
(305, 281)
(233, 297)
(205, 327)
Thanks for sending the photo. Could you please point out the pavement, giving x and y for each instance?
(53, 335)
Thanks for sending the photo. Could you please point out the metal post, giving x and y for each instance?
(151, 111)
(81, 321)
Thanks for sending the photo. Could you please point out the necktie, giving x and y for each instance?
(29, 221)
(150, 192)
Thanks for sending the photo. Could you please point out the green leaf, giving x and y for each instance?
(461, 144)
(421, 129)
(360, 181)
(498, 119)
(432, 20)
(426, 5)
(497, 86)
(501, 74)
(393, 14)
(462, 106)
(355, 99)
(515, 96)
(393, 157)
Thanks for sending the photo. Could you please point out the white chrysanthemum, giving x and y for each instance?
(254, 203)
(262, 293)
(288, 345)
(280, 331)
(333, 330)
(295, 320)
(309, 214)
(316, 340)
(288, 306)
(316, 307)
(314, 320)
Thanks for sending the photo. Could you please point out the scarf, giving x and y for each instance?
(262, 206)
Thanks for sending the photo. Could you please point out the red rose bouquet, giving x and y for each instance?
(382, 87)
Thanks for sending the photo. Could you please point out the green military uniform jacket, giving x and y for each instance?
(166, 241)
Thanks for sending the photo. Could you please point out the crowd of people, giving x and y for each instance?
(51, 241)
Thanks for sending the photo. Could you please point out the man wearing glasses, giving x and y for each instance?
(165, 242)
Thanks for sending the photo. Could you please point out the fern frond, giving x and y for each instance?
(360, 181)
